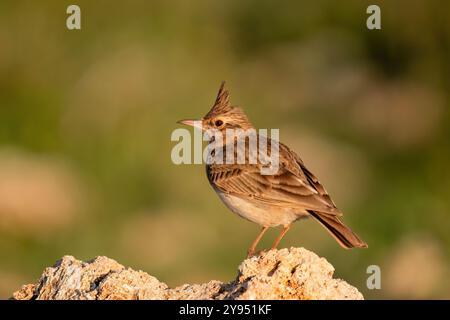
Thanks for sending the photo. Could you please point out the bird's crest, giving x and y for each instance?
(223, 108)
(222, 104)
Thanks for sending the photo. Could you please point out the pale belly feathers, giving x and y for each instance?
(264, 215)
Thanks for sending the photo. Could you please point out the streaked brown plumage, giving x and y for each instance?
(291, 193)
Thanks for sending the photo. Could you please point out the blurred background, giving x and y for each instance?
(86, 118)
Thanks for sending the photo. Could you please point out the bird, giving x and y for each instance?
(290, 193)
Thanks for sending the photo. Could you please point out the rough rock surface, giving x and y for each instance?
(294, 273)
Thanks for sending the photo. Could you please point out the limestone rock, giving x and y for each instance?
(294, 273)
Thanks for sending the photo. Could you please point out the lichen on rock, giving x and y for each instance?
(294, 273)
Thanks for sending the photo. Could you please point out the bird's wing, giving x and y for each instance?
(292, 185)
(314, 182)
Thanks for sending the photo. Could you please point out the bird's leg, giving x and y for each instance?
(252, 248)
(278, 239)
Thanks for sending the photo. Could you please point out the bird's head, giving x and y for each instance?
(222, 115)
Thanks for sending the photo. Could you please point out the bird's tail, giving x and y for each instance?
(343, 234)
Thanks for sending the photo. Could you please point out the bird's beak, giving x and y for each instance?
(192, 123)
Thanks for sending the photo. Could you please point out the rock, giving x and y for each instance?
(294, 273)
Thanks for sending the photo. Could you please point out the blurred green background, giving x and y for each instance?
(86, 118)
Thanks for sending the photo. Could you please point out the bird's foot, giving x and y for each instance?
(255, 253)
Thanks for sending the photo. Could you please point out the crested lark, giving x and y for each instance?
(270, 200)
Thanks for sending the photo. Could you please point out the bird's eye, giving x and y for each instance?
(218, 123)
